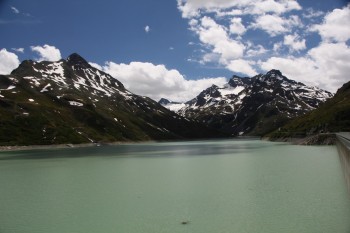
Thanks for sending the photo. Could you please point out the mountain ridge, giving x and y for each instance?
(69, 101)
(253, 106)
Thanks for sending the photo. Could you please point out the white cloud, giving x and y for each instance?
(229, 49)
(15, 10)
(18, 50)
(242, 66)
(255, 50)
(233, 12)
(95, 65)
(277, 46)
(8, 61)
(275, 24)
(220, 28)
(216, 37)
(237, 27)
(156, 81)
(272, 24)
(47, 52)
(325, 66)
(193, 8)
(333, 59)
(335, 26)
(311, 13)
(210, 57)
(147, 29)
(272, 6)
(299, 69)
(294, 42)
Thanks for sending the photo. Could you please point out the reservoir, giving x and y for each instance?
(226, 186)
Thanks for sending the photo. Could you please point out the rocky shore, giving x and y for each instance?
(44, 147)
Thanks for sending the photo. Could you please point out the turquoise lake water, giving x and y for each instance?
(229, 186)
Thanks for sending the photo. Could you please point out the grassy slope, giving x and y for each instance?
(332, 116)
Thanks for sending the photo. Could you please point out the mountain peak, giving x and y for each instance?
(164, 101)
(277, 74)
(273, 71)
(272, 76)
(76, 60)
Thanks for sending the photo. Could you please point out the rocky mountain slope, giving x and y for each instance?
(253, 106)
(69, 101)
(331, 116)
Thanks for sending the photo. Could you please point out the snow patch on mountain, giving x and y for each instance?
(75, 103)
(241, 99)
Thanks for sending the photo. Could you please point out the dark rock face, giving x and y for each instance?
(69, 101)
(254, 106)
(75, 60)
(163, 101)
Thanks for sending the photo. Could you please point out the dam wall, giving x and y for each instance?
(343, 146)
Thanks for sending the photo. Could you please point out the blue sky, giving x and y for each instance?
(175, 49)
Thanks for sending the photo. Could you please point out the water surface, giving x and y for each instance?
(228, 186)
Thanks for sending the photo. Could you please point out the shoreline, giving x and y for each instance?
(318, 139)
(63, 146)
(321, 139)
(43, 147)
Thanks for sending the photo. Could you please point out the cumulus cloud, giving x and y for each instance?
(95, 65)
(275, 24)
(156, 81)
(8, 61)
(311, 13)
(18, 50)
(335, 26)
(47, 52)
(216, 37)
(193, 8)
(294, 42)
(272, 6)
(224, 50)
(221, 26)
(255, 50)
(209, 57)
(325, 66)
(277, 46)
(242, 66)
(237, 27)
(147, 29)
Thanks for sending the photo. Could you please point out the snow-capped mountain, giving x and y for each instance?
(69, 101)
(171, 105)
(253, 106)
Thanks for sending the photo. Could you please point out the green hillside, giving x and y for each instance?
(331, 116)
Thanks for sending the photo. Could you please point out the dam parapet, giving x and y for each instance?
(343, 146)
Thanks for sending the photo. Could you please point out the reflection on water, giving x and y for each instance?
(192, 148)
(175, 187)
